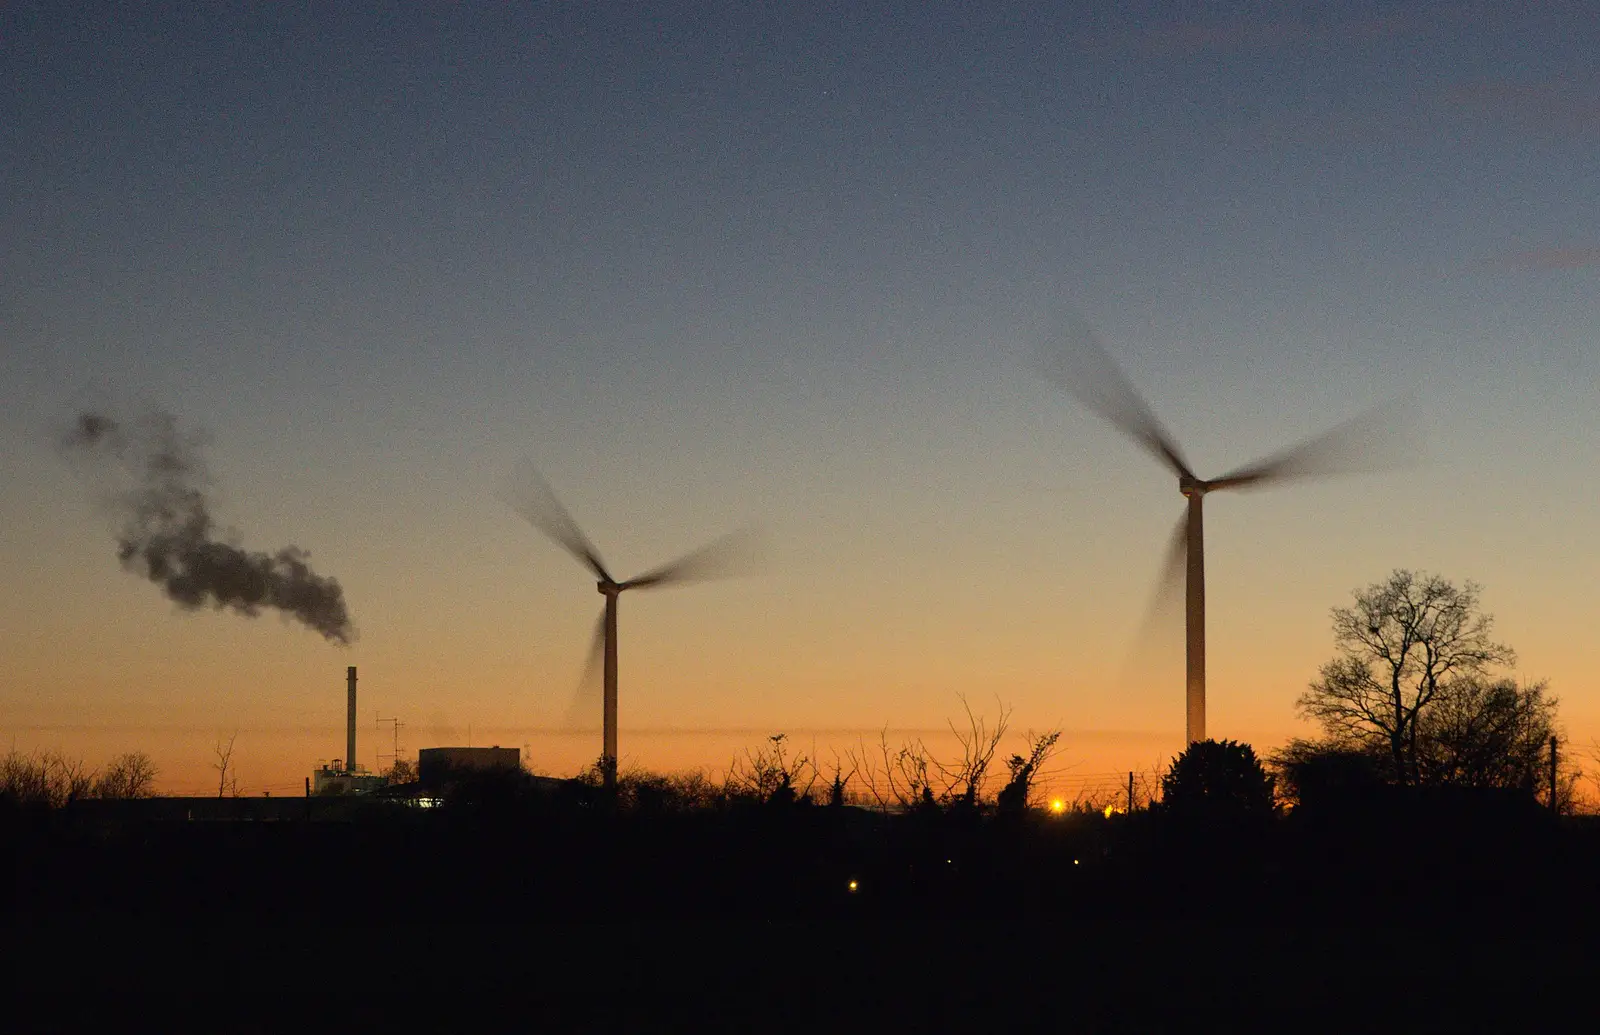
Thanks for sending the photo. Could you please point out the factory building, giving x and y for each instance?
(437, 766)
(338, 778)
(343, 775)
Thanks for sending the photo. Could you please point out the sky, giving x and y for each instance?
(789, 267)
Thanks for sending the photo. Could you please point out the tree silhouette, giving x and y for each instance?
(964, 778)
(1407, 642)
(1319, 772)
(1217, 779)
(227, 775)
(1484, 733)
(47, 779)
(129, 775)
(1014, 796)
(401, 771)
(773, 774)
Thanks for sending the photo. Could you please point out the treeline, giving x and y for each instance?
(50, 779)
(729, 900)
(685, 845)
(880, 775)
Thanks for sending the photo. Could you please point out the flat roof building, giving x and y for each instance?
(340, 779)
(435, 766)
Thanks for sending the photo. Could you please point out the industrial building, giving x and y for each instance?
(343, 775)
(337, 778)
(438, 765)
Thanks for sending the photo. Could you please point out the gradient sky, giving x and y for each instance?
(718, 265)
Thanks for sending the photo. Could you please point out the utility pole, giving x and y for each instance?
(1130, 792)
(1555, 808)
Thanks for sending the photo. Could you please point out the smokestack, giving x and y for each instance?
(350, 725)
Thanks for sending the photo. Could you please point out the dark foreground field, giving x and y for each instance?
(1395, 917)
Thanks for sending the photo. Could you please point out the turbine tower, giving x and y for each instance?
(1080, 364)
(537, 502)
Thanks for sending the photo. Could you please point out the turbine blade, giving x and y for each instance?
(583, 713)
(1165, 602)
(1169, 585)
(1356, 445)
(733, 554)
(1077, 362)
(532, 497)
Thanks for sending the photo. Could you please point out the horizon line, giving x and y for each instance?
(761, 731)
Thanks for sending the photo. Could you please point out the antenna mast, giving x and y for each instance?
(394, 757)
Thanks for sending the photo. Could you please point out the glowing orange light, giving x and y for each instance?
(1057, 805)
(854, 885)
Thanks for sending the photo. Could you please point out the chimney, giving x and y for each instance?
(350, 725)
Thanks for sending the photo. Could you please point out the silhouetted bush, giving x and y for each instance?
(1017, 795)
(1217, 780)
(1325, 774)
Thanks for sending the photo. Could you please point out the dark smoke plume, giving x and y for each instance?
(168, 535)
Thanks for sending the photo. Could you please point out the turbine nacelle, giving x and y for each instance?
(608, 588)
(1189, 485)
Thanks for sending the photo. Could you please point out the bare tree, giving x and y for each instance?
(227, 777)
(838, 789)
(73, 777)
(907, 771)
(894, 778)
(1406, 641)
(1146, 788)
(1482, 733)
(1109, 797)
(772, 774)
(129, 775)
(912, 777)
(22, 778)
(46, 778)
(401, 770)
(964, 778)
(861, 766)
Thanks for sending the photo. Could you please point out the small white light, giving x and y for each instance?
(854, 885)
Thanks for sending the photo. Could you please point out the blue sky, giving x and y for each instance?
(786, 265)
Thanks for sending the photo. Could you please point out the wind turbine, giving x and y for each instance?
(537, 502)
(1081, 365)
